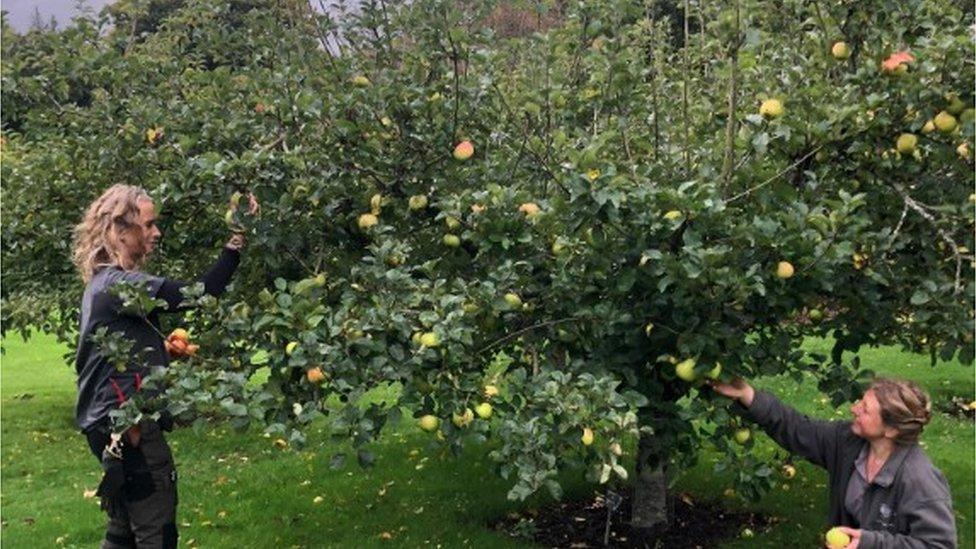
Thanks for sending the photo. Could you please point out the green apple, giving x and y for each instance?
(483, 410)
(462, 420)
(685, 369)
(742, 435)
(451, 240)
(513, 300)
(430, 339)
(429, 423)
(417, 202)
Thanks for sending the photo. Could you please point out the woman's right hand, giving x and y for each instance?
(738, 389)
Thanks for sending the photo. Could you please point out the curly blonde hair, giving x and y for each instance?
(99, 238)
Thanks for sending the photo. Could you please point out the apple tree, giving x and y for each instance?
(545, 240)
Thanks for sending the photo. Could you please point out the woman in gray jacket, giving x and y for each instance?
(884, 490)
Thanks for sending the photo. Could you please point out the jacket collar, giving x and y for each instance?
(886, 476)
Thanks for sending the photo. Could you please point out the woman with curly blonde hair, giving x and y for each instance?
(884, 490)
(113, 240)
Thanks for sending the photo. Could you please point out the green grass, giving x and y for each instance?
(236, 490)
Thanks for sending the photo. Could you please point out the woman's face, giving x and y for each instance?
(867, 418)
(147, 235)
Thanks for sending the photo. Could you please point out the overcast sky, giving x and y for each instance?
(20, 13)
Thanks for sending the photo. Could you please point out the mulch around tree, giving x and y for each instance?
(582, 523)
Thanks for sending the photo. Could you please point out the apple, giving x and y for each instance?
(290, 348)
(558, 248)
(430, 339)
(483, 410)
(784, 269)
(686, 369)
(906, 143)
(929, 127)
(859, 260)
(945, 122)
(513, 300)
(715, 372)
(956, 105)
(360, 81)
(616, 449)
(417, 202)
(153, 135)
(673, 215)
(648, 328)
(429, 423)
(367, 220)
(836, 539)
(742, 435)
(815, 315)
(963, 150)
(771, 108)
(462, 420)
(491, 391)
(789, 471)
(180, 333)
(452, 222)
(463, 150)
(315, 375)
(451, 240)
(587, 437)
(376, 203)
(530, 209)
(259, 107)
(840, 50)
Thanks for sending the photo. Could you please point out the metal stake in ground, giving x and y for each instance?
(612, 500)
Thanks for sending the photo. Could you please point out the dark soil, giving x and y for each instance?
(582, 523)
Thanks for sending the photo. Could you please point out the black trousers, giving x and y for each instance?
(145, 515)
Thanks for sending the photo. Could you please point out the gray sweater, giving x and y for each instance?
(908, 505)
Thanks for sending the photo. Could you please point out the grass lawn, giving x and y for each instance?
(237, 490)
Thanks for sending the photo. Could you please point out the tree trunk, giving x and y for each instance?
(649, 511)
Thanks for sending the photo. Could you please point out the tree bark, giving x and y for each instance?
(649, 511)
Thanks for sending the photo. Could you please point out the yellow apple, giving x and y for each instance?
(945, 122)
(367, 220)
(513, 300)
(840, 50)
(789, 471)
(587, 437)
(836, 539)
(906, 143)
(290, 348)
(360, 81)
(771, 108)
(491, 391)
(673, 215)
(530, 209)
(784, 269)
(929, 127)
(464, 419)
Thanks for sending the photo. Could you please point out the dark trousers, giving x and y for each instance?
(145, 515)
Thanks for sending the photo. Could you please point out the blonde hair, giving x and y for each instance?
(99, 238)
(904, 407)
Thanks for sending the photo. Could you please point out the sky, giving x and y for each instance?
(20, 13)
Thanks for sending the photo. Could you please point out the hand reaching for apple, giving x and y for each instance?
(237, 240)
(738, 389)
(853, 536)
